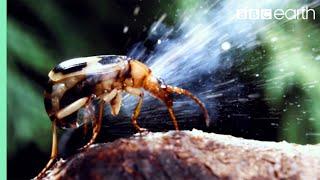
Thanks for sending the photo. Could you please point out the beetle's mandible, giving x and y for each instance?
(75, 83)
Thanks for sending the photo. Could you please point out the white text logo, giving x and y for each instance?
(265, 14)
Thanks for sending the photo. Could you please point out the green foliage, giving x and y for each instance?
(293, 82)
(59, 23)
(27, 118)
(34, 56)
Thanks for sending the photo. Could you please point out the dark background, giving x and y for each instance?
(43, 33)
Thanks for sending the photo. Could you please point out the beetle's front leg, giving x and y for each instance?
(172, 115)
(177, 90)
(134, 117)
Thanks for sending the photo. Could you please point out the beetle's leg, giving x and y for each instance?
(75, 106)
(136, 113)
(97, 126)
(105, 98)
(177, 90)
(134, 117)
(60, 115)
(54, 151)
(172, 116)
(89, 113)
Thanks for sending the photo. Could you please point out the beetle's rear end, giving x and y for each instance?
(57, 97)
(73, 82)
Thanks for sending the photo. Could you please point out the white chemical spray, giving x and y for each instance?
(197, 47)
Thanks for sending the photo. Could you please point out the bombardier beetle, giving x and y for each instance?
(75, 83)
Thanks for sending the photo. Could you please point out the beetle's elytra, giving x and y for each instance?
(75, 83)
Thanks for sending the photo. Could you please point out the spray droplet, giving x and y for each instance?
(159, 41)
(136, 11)
(125, 29)
(226, 46)
(144, 28)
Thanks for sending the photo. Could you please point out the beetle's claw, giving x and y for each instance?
(85, 147)
(82, 149)
(142, 131)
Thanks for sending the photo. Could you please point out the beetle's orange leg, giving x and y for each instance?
(88, 107)
(97, 126)
(54, 151)
(105, 98)
(172, 116)
(135, 115)
(177, 90)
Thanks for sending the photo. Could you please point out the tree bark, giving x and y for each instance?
(191, 155)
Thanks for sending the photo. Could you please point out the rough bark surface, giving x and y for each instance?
(191, 155)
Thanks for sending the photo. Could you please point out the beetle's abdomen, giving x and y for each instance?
(61, 95)
(88, 66)
(84, 88)
(74, 81)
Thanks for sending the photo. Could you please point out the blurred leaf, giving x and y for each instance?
(28, 119)
(62, 26)
(293, 65)
(27, 48)
(188, 4)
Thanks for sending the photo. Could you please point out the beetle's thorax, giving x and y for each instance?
(138, 73)
(143, 78)
(156, 87)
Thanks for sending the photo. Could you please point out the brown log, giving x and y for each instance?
(191, 155)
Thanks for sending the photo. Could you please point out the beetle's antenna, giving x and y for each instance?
(172, 89)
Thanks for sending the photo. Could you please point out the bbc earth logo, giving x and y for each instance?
(278, 14)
